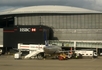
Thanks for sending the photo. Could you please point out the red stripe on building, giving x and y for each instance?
(24, 46)
(9, 31)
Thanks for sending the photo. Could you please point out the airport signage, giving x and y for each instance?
(24, 29)
(27, 29)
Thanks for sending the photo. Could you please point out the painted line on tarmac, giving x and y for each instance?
(93, 60)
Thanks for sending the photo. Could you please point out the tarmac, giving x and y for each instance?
(9, 63)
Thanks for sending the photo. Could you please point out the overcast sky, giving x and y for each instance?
(88, 4)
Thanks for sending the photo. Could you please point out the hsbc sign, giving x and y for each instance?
(33, 29)
(24, 29)
(27, 29)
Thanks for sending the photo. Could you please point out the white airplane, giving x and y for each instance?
(52, 49)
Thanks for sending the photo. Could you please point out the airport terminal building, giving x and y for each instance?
(66, 23)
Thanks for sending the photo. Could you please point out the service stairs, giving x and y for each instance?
(34, 53)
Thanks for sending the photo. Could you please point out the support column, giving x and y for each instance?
(74, 45)
(97, 50)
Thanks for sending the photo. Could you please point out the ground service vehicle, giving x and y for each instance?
(34, 51)
(87, 53)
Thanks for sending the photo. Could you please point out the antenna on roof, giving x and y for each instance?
(40, 20)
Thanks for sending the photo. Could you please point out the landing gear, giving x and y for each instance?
(40, 56)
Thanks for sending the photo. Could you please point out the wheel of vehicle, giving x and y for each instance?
(39, 56)
(69, 56)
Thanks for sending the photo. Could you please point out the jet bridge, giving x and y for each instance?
(79, 44)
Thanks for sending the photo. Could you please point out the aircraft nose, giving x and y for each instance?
(47, 50)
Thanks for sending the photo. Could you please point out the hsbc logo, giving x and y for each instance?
(33, 29)
(27, 29)
(24, 29)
